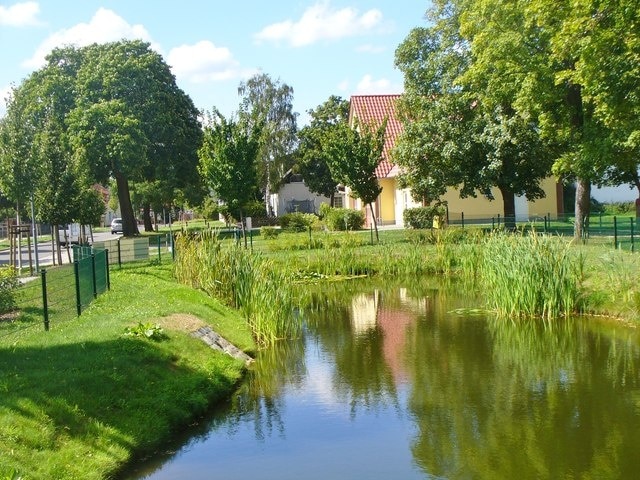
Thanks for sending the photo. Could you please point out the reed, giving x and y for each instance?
(529, 275)
(241, 279)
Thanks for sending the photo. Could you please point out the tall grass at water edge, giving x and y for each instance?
(529, 275)
(242, 279)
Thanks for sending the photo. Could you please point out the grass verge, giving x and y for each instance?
(82, 400)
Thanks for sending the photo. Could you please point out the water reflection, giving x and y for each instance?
(386, 381)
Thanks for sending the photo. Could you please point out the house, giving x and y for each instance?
(294, 196)
(393, 200)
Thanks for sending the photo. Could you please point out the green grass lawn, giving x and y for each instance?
(82, 400)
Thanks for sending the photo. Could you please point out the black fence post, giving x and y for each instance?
(632, 240)
(76, 271)
(106, 259)
(173, 246)
(462, 218)
(119, 254)
(93, 275)
(45, 304)
(615, 232)
(159, 254)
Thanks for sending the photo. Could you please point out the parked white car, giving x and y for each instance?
(69, 233)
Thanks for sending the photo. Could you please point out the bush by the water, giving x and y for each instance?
(344, 219)
(269, 233)
(422, 217)
(297, 221)
(8, 286)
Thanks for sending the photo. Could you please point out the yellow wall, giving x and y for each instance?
(387, 200)
(548, 204)
(473, 207)
(481, 207)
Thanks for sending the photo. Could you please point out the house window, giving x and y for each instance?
(337, 201)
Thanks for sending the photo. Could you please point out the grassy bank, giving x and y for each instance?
(80, 400)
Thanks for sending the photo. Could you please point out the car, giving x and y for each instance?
(116, 225)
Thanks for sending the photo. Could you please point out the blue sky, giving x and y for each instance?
(318, 47)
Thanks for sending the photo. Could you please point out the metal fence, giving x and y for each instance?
(62, 292)
(620, 231)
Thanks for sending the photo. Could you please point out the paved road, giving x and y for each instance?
(45, 255)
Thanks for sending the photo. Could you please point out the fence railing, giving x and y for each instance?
(620, 231)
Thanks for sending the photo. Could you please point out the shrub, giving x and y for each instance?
(323, 210)
(268, 233)
(8, 286)
(422, 217)
(344, 219)
(210, 209)
(618, 208)
(254, 209)
(297, 221)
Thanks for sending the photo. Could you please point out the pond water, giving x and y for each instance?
(406, 381)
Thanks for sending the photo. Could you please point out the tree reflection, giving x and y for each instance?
(502, 400)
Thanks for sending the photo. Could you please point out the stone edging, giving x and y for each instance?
(216, 342)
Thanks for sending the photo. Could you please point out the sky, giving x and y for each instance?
(318, 47)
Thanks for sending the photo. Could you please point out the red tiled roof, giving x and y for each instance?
(372, 110)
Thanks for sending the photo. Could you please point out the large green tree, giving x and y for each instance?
(159, 133)
(313, 140)
(36, 158)
(268, 106)
(571, 67)
(121, 116)
(458, 134)
(228, 162)
(354, 152)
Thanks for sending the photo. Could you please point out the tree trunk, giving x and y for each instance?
(583, 203)
(129, 226)
(375, 223)
(509, 207)
(56, 236)
(146, 215)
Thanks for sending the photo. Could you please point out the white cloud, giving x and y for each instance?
(20, 14)
(104, 26)
(321, 22)
(368, 86)
(343, 86)
(204, 62)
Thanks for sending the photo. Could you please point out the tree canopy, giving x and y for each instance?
(267, 105)
(228, 162)
(354, 153)
(313, 154)
(120, 115)
(456, 134)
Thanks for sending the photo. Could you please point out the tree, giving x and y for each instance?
(457, 134)
(354, 153)
(91, 207)
(108, 137)
(267, 106)
(228, 162)
(550, 56)
(37, 159)
(120, 114)
(312, 161)
(18, 169)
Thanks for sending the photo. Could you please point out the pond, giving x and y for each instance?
(407, 381)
